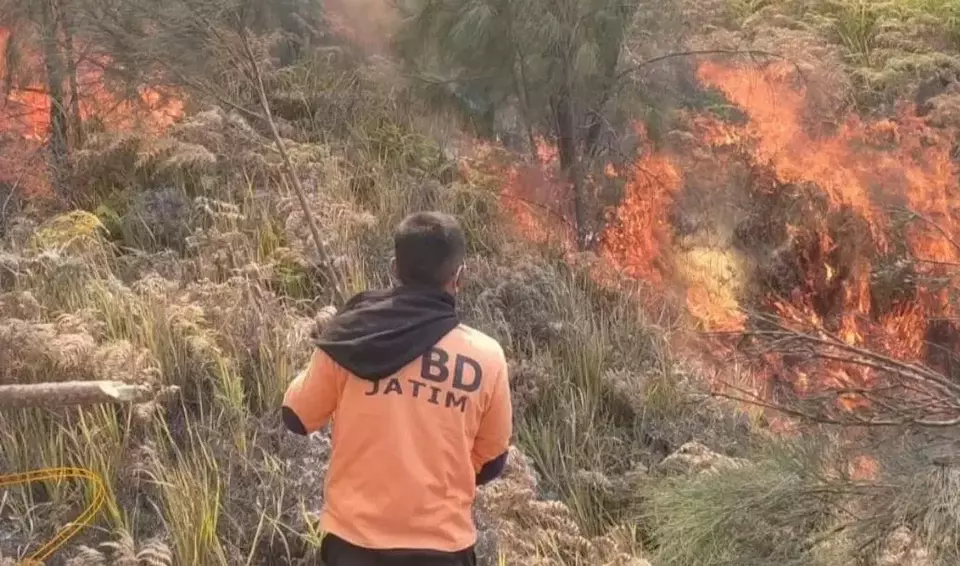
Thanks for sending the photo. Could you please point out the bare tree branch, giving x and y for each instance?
(291, 172)
(897, 394)
(913, 214)
(698, 52)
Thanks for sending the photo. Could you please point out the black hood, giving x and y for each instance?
(377, 333)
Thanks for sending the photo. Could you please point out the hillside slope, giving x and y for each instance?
(194, 269)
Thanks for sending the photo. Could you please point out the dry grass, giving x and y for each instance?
(182, 473)
(192, 268)
(195, 271)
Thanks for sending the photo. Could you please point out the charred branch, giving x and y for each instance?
(851, 385)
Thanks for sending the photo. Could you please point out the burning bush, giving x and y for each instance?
(821, 256)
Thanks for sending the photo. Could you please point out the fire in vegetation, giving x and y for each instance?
(849, 229)
(25, 111)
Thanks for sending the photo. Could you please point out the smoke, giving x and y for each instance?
(366, 23)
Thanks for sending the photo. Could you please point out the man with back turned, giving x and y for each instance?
(420, 408)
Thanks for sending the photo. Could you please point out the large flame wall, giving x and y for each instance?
(851, 227)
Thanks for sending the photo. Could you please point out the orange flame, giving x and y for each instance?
(25, 115)
(894, 177)
(639, 231)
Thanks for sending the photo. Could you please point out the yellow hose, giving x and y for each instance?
(99, 495)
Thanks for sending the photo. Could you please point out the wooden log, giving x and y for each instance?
(67, 393)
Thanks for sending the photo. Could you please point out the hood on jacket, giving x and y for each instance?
(379, 332)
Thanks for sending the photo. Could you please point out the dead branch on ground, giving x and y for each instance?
(72, 393)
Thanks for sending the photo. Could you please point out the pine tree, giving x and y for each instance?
(44, 27)
(560, 59)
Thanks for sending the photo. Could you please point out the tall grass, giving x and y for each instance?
(223, 315)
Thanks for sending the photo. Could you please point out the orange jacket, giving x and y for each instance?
(407, 445)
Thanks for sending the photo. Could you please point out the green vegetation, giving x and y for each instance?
(182, 259)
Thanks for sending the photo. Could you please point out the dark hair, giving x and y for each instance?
(429, 247)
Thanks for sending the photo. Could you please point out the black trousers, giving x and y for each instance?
(334, 551)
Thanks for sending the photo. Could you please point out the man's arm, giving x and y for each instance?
(493, 437)
(312, 397)
(492, 469)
